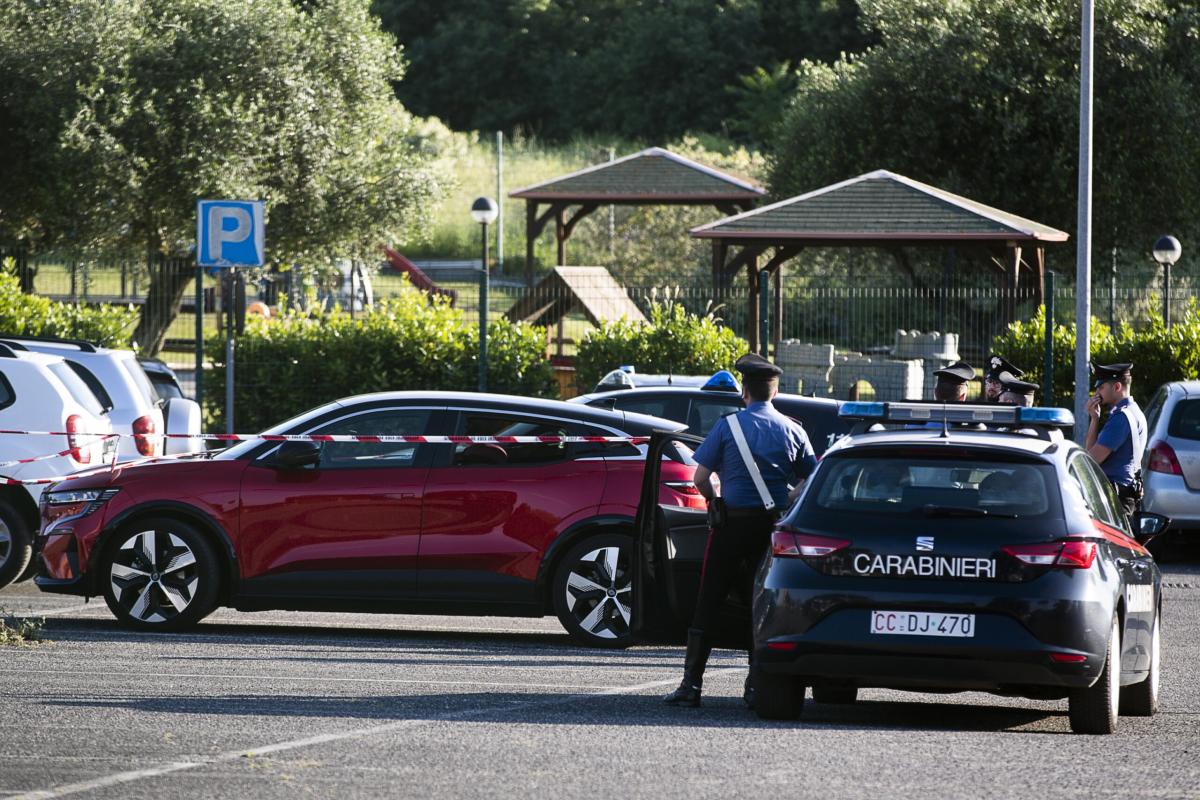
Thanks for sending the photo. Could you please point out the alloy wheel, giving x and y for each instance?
(598, 591)
(153, 576)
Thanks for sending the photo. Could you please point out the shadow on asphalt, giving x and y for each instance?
(590, 709)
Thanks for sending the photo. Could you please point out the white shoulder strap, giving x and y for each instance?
(736, 429)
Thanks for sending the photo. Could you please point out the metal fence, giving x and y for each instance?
(858, 318)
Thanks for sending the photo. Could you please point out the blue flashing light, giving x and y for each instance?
(1046, 416)
(722, 381)
(861, 410)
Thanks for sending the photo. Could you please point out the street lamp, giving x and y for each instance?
(1166, 252)
(483, 211)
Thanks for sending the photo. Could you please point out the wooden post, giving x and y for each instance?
(1014, 280)
(718, 272)
(777, 322)
(560, 234)
(1039, 264)
(752, 278)
(530, 236)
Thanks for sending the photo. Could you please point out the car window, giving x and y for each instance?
(164, 386)
(1154, 410)
(887, 485)
(498, 455)
(7, 395)
(139, 379)
(1112, 504)
(1092, 492)
(706, 411)
(76, 387)
(93, 383)
(366, 455)
(1185, 421)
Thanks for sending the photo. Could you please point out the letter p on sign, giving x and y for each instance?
(229, 233)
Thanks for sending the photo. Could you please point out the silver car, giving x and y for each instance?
(1171, 464)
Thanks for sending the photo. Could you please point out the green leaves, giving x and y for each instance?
(673, 341)
(33, 315)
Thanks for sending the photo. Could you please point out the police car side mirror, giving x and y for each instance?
(296, 455)
(1146, 525)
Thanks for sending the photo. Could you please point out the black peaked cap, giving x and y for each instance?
(998, 364)
(1011, 383)
(1111, 372)
(958, 372)
(755, 367)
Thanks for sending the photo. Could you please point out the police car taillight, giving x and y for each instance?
(786, 544)
(1071, 554)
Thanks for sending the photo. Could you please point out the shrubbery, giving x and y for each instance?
(295, 361)
(673, 341)
(31, 315)
(1159, 354)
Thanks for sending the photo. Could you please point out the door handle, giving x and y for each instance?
(1139, 567)
(1122, 562)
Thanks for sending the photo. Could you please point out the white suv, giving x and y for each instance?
(41, 392)
(119, 381)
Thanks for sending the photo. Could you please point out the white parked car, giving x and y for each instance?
(40, 392)
(120, 382)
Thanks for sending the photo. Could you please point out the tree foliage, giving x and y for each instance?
(646, 69)
(33, 315)
(118, 115)
(981, 97)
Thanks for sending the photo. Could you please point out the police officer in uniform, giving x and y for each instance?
(952, 382)
(992, 385)
(740, 524)
(1014, 391)
(1119, 445)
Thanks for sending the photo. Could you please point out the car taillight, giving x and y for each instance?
(684, 487)
(145, 445)
(81, 454)
(1071, 554)
(1162, 459)
(786, 544)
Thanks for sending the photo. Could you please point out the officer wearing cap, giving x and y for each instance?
(992, 385)
(1119, 445)
(952, 382)
(1014, 391)
(741, 519)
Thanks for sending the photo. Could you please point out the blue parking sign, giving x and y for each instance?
(229, 233)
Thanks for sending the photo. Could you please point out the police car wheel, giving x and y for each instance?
(16, 544)
(1094, 709)
(834, 695)
(160, 575)
(777, 696)
(593, 591)
(1141, 699)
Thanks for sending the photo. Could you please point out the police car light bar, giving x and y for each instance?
(722, 381)
(957, 412)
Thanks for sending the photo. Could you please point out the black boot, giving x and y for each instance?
(688, 693)
(748, 686)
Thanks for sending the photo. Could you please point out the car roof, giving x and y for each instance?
(991, 439)
(1189, 388)
(630, 422)
(696, 391)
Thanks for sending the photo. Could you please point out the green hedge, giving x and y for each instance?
(32, 315)
(295, 361)
(673, 341)
(1159, 354)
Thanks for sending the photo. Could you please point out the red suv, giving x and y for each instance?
(514, 530)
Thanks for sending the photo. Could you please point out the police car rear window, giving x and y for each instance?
(935, 487)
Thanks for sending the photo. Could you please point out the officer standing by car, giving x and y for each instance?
(1119, 445)
(762, 459)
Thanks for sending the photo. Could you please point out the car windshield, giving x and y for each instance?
(933, 487)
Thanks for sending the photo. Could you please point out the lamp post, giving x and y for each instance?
(483, 211)
(1166, 252)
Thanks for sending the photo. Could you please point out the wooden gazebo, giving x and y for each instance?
(879, 209)
(651, 177)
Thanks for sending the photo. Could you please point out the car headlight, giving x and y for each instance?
(73, 502)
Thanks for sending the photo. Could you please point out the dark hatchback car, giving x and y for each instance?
(469, 528)
(933, 559)
(701, 403)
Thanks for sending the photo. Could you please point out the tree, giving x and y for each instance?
(980, 97)
(122, 113)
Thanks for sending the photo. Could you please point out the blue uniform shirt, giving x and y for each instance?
(780, 448)
(1125, 435)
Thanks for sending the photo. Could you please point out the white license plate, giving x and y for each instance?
(922, 623)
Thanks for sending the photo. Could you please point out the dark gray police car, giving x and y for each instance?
(942, 548)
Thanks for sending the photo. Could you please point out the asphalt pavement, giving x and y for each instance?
(285, 704)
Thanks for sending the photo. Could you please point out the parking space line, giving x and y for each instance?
(129, 776)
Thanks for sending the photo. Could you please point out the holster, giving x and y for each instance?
(718, 513)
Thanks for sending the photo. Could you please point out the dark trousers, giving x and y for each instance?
(1129, 496)
(733, 553)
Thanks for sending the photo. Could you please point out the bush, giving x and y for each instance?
(1159, 354)
(673, 341)
(31, 315)
(293, 362)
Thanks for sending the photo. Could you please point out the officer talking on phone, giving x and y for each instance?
(762, 459)
(1118, 446)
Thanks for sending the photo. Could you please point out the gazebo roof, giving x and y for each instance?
(590, 289)
(877, 206)
(652, 175)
